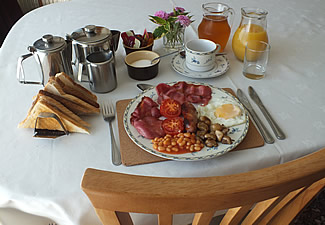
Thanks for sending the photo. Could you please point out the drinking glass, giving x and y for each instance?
(255, 60)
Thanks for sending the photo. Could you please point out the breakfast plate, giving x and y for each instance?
(237, 132)
(221, 67)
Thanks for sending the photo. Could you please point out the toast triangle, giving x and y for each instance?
(43, 104)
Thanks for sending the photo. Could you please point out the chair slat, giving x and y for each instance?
(165, 219)
(290, 211)
(235, 215)
(203, 218)
(284, 201)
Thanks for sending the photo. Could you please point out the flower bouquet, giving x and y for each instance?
(171, 26)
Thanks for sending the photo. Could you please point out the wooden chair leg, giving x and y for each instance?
(203, 218)
(113, 218)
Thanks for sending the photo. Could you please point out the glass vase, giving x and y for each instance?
(174, 39)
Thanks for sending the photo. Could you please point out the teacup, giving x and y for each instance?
(201, 54)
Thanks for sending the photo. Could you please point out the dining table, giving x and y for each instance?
(42, 176)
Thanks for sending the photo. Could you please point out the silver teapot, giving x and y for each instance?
(88, 40)
(52, 53)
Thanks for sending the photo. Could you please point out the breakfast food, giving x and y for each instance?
(180, 143)
(145, 119)
(223, 111)
(190, 117)
(212, 133)
(182, 92)
(176, 123)
(71, 121)
(75, 93)
(67, 100)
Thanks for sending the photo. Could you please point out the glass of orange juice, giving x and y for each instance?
(252, 27)
(216, 23)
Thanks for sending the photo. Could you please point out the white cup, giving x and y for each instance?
(201, 54)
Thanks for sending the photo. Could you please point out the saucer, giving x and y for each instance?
(221, 67)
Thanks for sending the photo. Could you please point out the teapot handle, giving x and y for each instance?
(20, 71)
(81, 66)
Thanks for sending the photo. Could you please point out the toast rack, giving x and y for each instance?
(46, 133)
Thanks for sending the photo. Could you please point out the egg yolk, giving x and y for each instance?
(227, 111)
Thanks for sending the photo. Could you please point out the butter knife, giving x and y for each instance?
(264, 132)
(276, 129)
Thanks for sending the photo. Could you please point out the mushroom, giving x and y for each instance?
(216, 126)
(200, 134)
(225, 130)
(226, 140)
(210, 136)
(202, 126)
(211, 143)
(219, 135)
(205, 119)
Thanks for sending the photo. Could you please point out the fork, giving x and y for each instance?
(108, 112)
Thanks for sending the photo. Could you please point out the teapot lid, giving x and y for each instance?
(49, 43)
(91, 34)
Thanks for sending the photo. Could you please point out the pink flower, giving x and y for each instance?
(179, 9)
(162, 14)
(170, 14)
(184, 20)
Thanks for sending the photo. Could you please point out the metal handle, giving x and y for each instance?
(116, 157)
(21, 73)
(79, 75)
(276, 129)
(264, 132)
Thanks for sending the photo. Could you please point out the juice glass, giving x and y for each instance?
(216, 23)
(252, 27)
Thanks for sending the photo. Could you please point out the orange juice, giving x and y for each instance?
(245, 33)
(216, 29)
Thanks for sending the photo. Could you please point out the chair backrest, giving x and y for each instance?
(273, 195)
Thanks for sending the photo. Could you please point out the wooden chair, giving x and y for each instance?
(273, 195)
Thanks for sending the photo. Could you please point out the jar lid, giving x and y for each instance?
(91, 34)
(49, 43)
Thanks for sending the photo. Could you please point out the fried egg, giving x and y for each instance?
(223, 111)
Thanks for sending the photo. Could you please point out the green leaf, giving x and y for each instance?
(158, 20)
(172, 19)
(167, 27)
(159, 32)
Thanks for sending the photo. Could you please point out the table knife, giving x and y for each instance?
(264, 132)
(276, 129)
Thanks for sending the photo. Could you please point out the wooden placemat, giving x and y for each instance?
(132, 155)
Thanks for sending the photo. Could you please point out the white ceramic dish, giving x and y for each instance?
(221, 67)
(237, 133)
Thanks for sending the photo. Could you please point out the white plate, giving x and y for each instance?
(221, 67)
(237, 133)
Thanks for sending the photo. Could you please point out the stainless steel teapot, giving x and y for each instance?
(52, 53)
(87, 40)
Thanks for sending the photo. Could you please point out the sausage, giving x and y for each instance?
(190, 117)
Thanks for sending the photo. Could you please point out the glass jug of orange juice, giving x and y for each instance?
(252, 27)
(216, 23)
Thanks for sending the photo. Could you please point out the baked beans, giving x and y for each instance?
(175, 143)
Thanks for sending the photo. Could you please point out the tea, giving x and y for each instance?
(244, 34)
(216, 29)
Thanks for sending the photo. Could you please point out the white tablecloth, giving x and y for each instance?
(43, 177)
